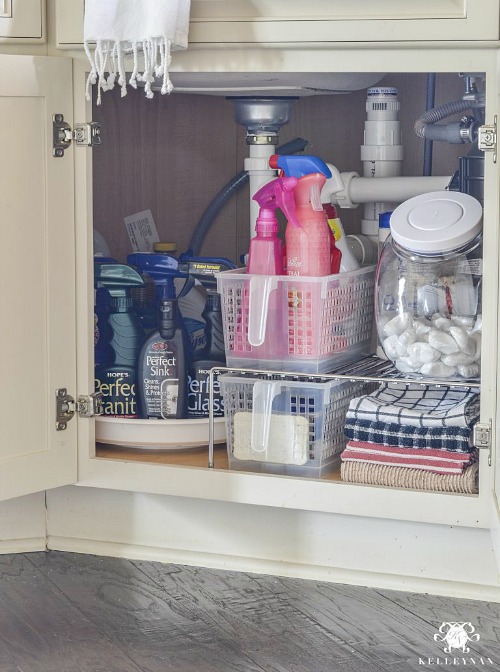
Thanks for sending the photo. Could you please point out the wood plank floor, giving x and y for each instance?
(65, 612)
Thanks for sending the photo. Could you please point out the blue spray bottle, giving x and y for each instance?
(115, 376)
(161, 364)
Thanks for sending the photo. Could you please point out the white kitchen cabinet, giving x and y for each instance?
(222, 23)
(116, 497)
(22, 21)
(37, 261)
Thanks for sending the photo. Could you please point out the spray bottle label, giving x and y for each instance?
(334, 226)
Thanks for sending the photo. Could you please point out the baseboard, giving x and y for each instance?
(381, 581)
(22, 545)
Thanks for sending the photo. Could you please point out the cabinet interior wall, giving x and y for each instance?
(172, 154)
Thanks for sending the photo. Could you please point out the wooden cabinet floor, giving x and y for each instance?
(84, 613)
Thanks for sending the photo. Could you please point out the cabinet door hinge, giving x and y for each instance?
(84, 135)
(481, 437)
(487, 138)
(87, 406)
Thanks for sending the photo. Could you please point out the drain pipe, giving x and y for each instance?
(381, 152)
(263, 118)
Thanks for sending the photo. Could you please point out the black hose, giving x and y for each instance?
(222, 197)
(429, 104)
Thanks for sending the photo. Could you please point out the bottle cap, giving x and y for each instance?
(437, 222)
(384, 220)
(165, 247)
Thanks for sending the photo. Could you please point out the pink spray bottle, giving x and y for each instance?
(308, 246)
(265, 256)
(308, 253)
(263, 307)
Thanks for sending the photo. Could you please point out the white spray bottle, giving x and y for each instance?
(332, 186)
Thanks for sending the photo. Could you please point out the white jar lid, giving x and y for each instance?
(439, 221)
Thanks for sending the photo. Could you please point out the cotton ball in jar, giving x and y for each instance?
(468, 370)
(443, 342)
(398, 324)
(393, 348)
(437, 370)
(405, 365)
(463, 340)
(422, 353)
(441, 323)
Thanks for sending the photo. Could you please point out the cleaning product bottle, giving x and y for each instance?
(161, 364)
(103, 352)
(203, 270)
(116, 380)
(332, 186)
(308, 245)
(144, 298)
(308, 250)
(198, 399)
(336, 254)
(265, 255)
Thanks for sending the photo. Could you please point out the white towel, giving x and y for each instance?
(122, 27)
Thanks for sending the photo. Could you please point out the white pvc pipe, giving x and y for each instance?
(392, 189)
(259, 174)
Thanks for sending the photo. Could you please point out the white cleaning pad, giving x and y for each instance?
(287, 443)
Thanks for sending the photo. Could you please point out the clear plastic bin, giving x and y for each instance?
(280, 426)
(298, 324)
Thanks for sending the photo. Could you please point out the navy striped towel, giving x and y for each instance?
(456, 439)
(417, 406)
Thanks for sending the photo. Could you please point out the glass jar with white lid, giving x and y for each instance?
(428, 287)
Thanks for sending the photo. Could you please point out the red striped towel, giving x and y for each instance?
(425, 459)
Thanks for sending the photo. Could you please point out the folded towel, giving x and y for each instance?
(120, 27)
(418, 406)
(437, 461)
(456, 457)
(411, 479)
(456, 439)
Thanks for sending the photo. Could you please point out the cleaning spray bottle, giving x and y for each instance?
(203, 270)
(308, 252)
(161, 364)
(265, 256)
(116, 380)
(308, 245)
(332, 186)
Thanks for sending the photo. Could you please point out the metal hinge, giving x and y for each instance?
(84, 135)
(481, 437)
(87, 406)
(487, 138)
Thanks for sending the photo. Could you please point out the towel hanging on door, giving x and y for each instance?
(119, 28)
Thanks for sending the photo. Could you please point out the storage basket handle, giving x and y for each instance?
(261, 287)
(264, 392)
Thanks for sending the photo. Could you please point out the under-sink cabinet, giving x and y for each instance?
(53, 200)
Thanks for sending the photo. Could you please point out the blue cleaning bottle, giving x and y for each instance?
(115, 375)
(161, 363)
(203, 270)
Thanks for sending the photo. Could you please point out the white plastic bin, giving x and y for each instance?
(297, 324)
(286, 426)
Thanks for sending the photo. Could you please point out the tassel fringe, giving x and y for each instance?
(107, 65)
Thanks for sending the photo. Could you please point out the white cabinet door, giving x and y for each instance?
(339, 21)
(37, 276)
(219, 22)
(22, 21)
